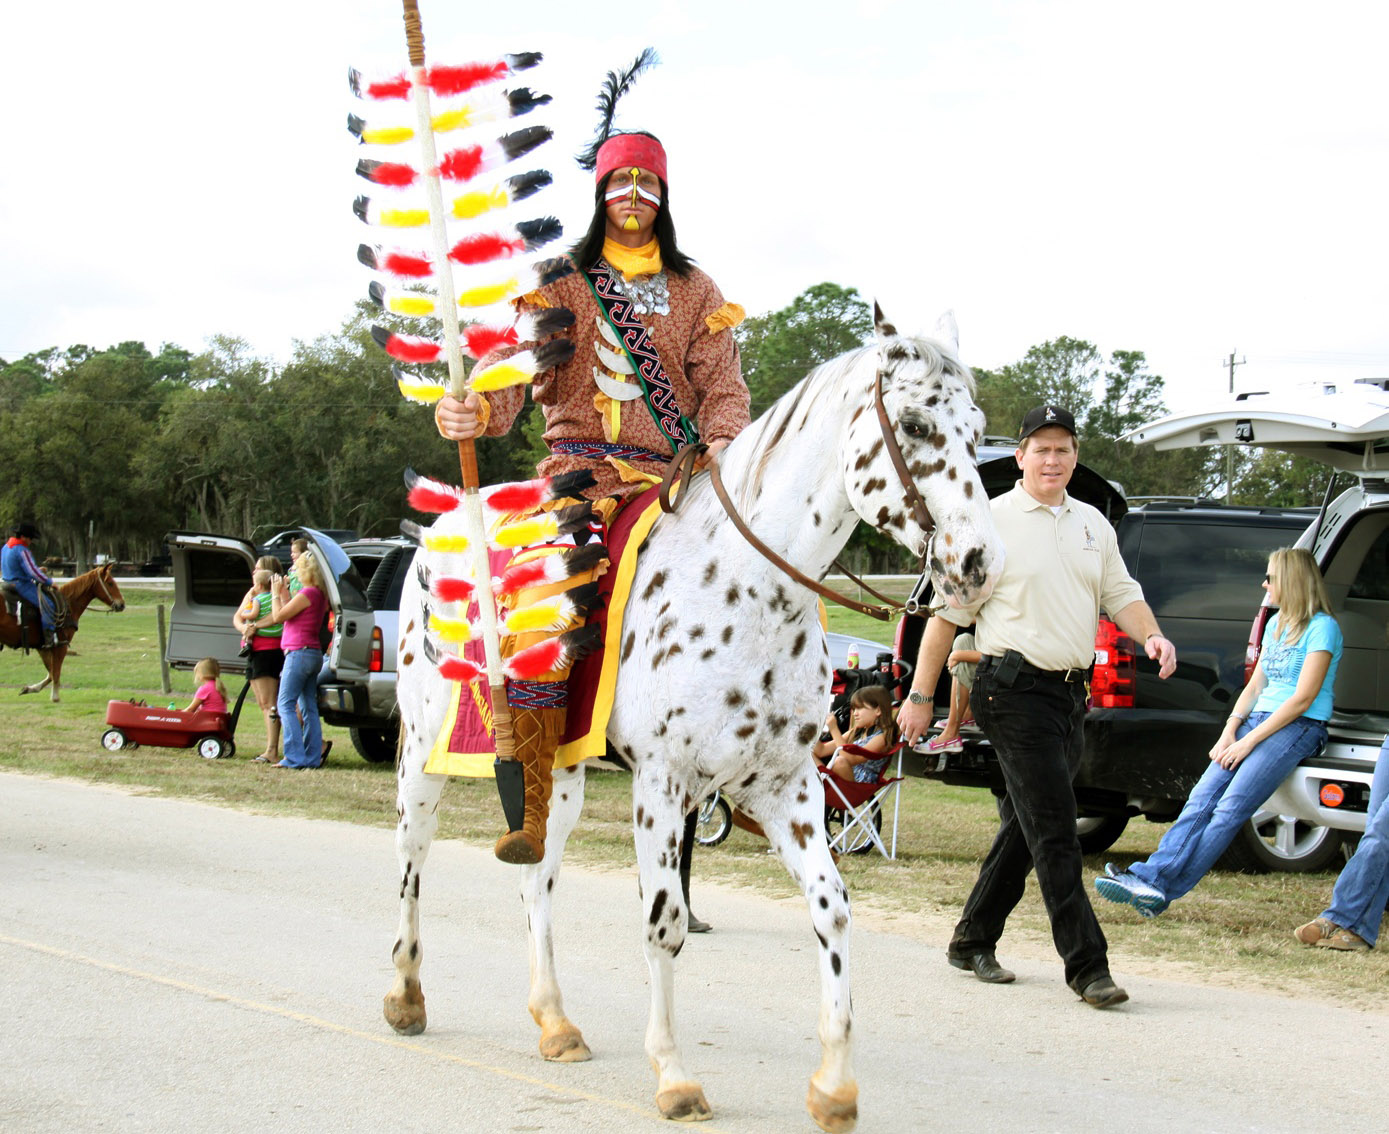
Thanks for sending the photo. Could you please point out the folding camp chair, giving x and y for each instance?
(854, 811)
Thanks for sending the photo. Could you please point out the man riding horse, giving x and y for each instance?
(655, 368)
(25, 578)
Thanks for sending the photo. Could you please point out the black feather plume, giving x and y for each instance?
(614, 87)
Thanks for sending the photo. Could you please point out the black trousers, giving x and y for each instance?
(1035, 726)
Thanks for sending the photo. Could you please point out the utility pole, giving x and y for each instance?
(1231, 362)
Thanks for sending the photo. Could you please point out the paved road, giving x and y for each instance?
(167, 966)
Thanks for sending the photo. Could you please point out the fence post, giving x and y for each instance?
(163, 650)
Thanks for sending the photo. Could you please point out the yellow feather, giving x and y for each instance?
(411, 304)
(479, 201)
(446, 543)
(426, 393)
(498, 377)
(489, 294)
(457, 630)
(404, 218)
(387, 135)
(525, 532)
(548, 614)
(453, 119)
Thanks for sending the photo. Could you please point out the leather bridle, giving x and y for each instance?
(681, 468)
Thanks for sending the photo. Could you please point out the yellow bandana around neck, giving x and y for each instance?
(631, 262)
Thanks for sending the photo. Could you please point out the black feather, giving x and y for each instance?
(614, 87)
(585, 599)
(359, 206)
(381, 335)
(356, 125)
(552, 321)
(367, 255)
(523, 100)
(540, 231)
(413, 532)
(522, 141)
(582, 559)
(571, 483)
(574, 517)
(554, 353)
(523, 60)
(377, 294)
(354, 80)
(552, 270)
(522, 185)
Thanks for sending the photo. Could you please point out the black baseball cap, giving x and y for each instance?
(1044, 416)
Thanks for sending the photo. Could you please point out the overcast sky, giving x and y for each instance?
(1184, 179)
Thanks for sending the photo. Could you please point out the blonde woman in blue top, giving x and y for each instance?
(1278, 721)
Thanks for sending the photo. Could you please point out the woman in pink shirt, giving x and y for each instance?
(302, 616)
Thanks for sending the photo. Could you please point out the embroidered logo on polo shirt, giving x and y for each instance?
(1090, 544)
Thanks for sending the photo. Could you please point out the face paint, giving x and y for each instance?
(637, 195)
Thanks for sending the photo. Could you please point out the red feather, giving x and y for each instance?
(445, 80)
(403, 264)
(459, 669)
(393, 173)
(484, 247)
(395, 87)
(413, 350)
(523, 575)
(430, 496)
(483, 340)
(518, 497)
(531, 662)
(460, 165)
(448, 588)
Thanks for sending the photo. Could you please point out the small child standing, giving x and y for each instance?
(863, 754)
(211, 696)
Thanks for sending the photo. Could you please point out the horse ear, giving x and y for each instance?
(881, 327)
(947, 332)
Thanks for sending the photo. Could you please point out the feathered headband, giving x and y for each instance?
(609, 151)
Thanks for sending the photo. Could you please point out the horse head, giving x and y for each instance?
(928, 401)
(104, 587)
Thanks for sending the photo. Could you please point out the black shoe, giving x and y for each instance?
(1101, 992)
(985, 966)
(697, 926)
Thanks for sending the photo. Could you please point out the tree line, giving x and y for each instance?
(107, 450)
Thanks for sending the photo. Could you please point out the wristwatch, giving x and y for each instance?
(917, 698)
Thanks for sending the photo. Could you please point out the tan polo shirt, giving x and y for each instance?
(1059, 571)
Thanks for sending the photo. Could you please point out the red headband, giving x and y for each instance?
(625, 150)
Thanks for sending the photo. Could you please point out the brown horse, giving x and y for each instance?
(94, 584)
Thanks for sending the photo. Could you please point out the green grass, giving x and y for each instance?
(1232, 927)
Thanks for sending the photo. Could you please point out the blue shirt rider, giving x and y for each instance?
(17, 567)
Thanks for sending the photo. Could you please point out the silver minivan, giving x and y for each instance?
(1344, 425)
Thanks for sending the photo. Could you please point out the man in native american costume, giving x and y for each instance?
(655, 367)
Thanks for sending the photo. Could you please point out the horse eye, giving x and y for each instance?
(914, 429)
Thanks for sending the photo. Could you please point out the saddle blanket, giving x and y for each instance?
(465, 745)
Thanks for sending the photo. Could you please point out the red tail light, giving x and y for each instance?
(1256, 640)
(376, 663)
(1115, 669)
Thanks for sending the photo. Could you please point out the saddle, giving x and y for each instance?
(28, 616)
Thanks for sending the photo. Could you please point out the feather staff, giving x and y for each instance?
(448, 314)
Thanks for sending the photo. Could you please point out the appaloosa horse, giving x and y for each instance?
(725, 674)
(79, 593)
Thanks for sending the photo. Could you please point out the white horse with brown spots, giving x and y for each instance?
(725, 675)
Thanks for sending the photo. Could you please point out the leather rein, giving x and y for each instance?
(681, 468)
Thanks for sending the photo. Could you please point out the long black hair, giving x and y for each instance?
(589, 250)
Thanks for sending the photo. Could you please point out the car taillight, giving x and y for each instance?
(376, 663)
(1115, 669)
(1256, 639)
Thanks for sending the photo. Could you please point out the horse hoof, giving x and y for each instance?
(405, 1010)
(683, 1102)
(565, 1045)
(837, 1112)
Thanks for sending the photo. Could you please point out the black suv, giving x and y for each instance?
(1146, 740)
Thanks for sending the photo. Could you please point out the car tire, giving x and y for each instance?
(1097, 833)
(376, 745)
(1274, 842)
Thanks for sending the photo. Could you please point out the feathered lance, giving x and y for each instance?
(507, 768)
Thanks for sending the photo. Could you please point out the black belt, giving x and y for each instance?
(1077, 673)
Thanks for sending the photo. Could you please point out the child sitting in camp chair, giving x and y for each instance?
(862, 755)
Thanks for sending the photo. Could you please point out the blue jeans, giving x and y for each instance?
(1223, 801)
(30, 590)
(1035, 726)
(299, 686)
(1362, 890)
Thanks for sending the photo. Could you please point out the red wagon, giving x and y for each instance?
(132, 723)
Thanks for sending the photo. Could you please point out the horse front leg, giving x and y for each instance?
(560, 1040)
(658, 813)
(417, 819)
(798, 836)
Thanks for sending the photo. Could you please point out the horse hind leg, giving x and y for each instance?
(417, 819)
(799, 840)
(659, 821)
(560, 1040)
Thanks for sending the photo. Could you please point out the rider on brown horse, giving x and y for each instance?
(23, 579)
